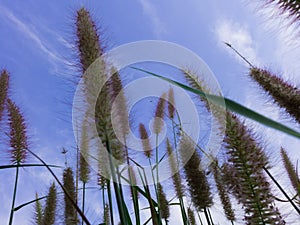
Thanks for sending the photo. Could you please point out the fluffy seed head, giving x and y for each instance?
(4, 82)
(159, 114)
(145, 141)
(291, 171)
(18, 133)
(286, 95)
(68, 183)
(191, 216)
(164, 205)
(171, 103)
(176, 178)
(87, 39)
(196, 180)
(49, 212)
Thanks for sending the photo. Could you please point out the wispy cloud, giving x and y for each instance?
(239, 36)
(150, 11)
(32, 34)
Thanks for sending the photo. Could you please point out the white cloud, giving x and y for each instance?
(239, 37)
(150, 11)
(32, 34)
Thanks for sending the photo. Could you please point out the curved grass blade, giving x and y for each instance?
(25, 165)
(60, 184)
(232, 106)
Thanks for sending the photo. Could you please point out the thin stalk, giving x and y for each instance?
(110, 202)
(155, 215)
(133, 191)
(83, 199)
(14, 197)
(199, 217)
(135, 200)
(207, 217)
(117, 191)
(157, 178)
(239, 54)
(121, 189)
(281, 189)
(153, 178)
(183, 213)
(210, 216)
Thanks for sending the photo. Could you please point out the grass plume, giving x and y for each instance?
(4, 82)
(50, 207)
(286, 95)
(70, 215)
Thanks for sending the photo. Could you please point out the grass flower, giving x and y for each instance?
(18, 133)
(291, 171)
(159, 114)
(286, 95)
(195, 177)
(145, 141)
(87, 39)
(70, 215)
(251, 188)
(50, 207)
(4, 81)
(164, 204)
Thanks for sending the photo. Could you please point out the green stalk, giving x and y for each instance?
(157, 178)
(117, 191)
(83, 199)
(14, 197)
(134, 198)
(110, 202)
(183, 213)
(154, 184)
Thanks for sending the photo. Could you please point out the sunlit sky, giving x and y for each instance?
(37, 41)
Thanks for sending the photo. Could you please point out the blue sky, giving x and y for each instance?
(37, 48)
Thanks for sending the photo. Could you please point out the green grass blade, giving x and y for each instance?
(232, 106)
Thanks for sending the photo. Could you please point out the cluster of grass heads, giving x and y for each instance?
(243, 174)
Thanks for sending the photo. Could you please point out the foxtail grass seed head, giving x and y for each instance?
(195, 177)
(18, 133)
(159, 114)
(164, 204)
(194, 82)
(101, 180)
(50, 208)
(70, 214)
(171, 103)
(120, 112)
(291, 171)
(191, 216)
(223, 193)
(145, 141)
(87, 39)
(38, 215)
(288, 7)
(106, 216)
(251, 188)
(4, 83)
(286, 95)
(176, 178)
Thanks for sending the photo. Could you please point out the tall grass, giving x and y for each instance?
(242, 174)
